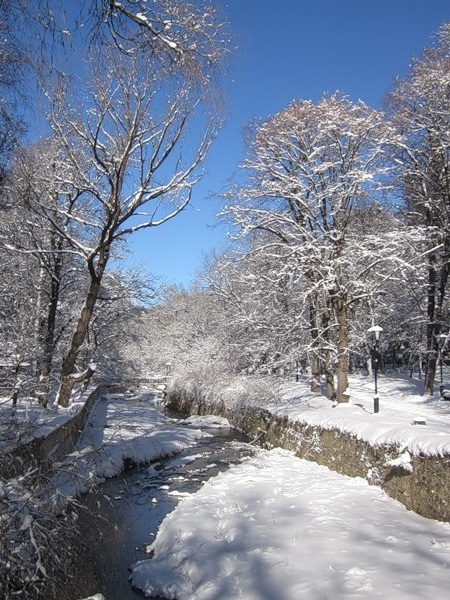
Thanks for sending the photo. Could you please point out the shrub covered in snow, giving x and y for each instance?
(33, 540)
(232, 391)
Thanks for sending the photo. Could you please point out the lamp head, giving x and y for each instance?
(376, 330)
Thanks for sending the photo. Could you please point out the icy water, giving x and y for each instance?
(122, 517)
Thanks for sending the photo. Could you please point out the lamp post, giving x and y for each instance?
(376, 330)
(168, 369)
(441, 340)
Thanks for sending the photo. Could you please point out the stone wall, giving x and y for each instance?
(422, 486)
(56, 444)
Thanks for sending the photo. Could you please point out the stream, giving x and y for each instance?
(122, 516)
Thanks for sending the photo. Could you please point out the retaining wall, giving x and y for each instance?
(57, 443)
(424, 489)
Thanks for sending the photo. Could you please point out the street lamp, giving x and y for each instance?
(441, 340)
(376, 330)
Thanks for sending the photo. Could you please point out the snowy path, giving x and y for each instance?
(280, 528)
(401, 406)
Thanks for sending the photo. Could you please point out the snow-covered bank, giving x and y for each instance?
(418, 424)
(280, 528)
(405, 448)
(122, 428)
(30, 433)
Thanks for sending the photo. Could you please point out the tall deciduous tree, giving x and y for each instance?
(263, 305)
(421, 110)
(135, 136)
(42, 207)
(310, 167)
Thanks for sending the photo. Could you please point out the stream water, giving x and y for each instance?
(123, 515)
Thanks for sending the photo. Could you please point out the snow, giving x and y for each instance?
(403, 461)
(279, 528)
(122, 428)
(419, 424)
(275, 527)
(39, 422)
(209, 421)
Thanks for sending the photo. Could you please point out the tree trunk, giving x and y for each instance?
(45, 365)
(326, 363)
(438, 276)
(438, 281)
(68, 379)
(39, 368)
(431, 314)
(331, 390)
(315, 375)
(315, 360)
(340, 309)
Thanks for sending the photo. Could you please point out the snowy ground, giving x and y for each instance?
(279, 528)
(276, 527)
(420, 424)
(33, 419)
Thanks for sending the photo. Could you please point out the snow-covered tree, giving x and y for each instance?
(310, 167)
(185, 330)
(420, 104)
(39, 205)
(186, 38)
(266, 321)
(13, 60)
(135, 133)
(18, 348)
(117, 334)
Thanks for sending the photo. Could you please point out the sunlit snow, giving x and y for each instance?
(419, 424)
(119, 431)
(279, 528)
(276, 527)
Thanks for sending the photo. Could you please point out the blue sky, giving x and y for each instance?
(289, 49)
